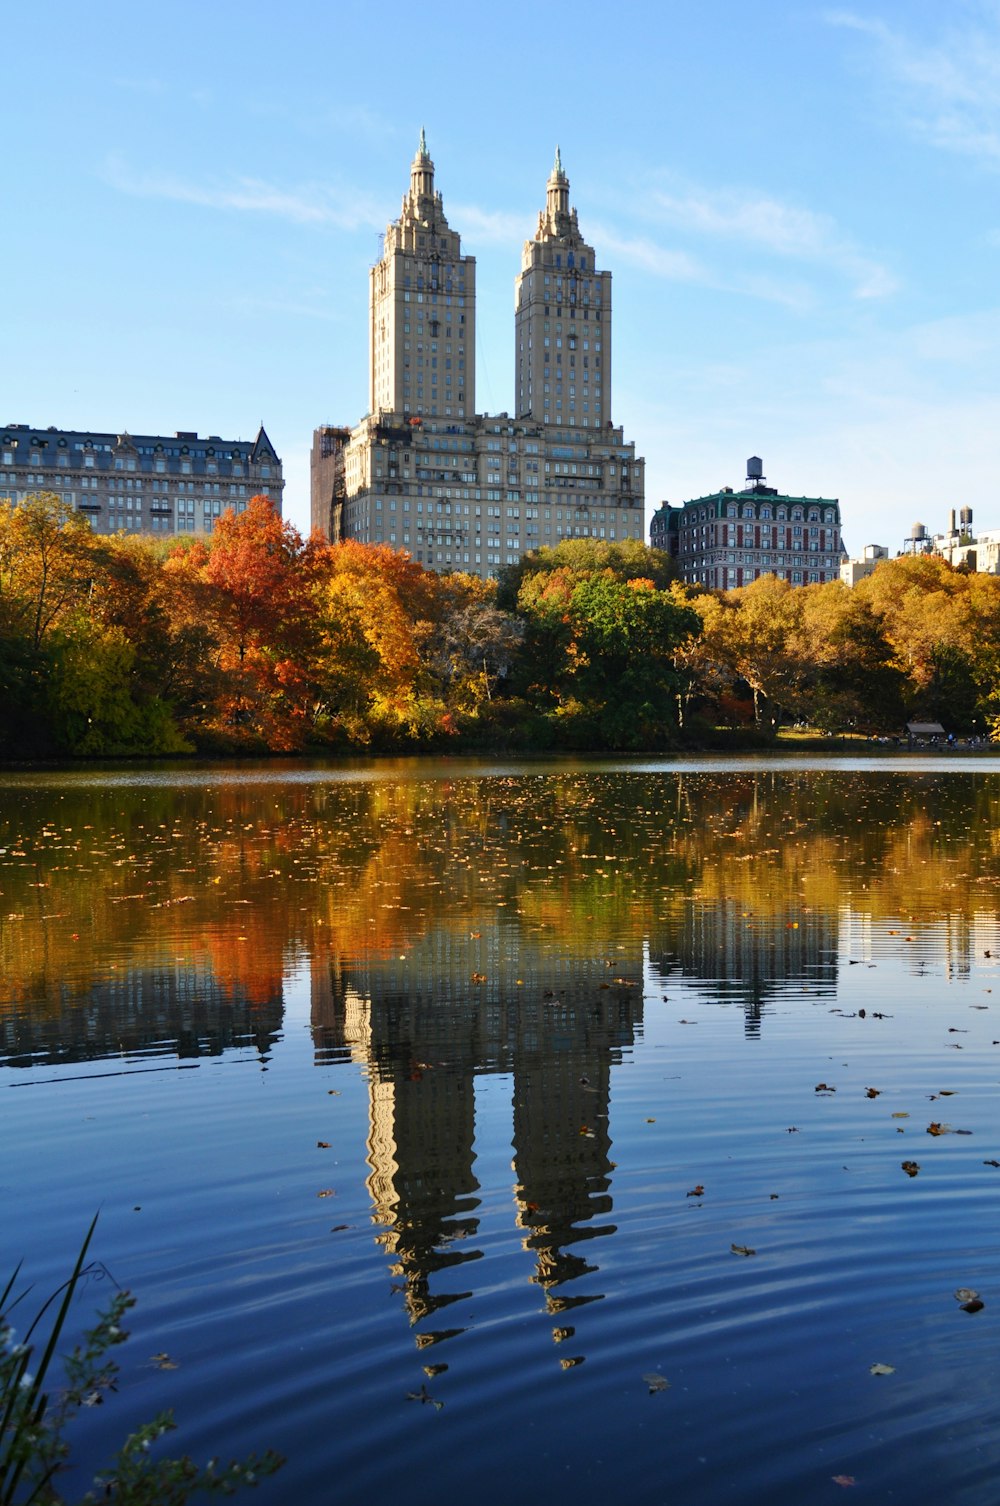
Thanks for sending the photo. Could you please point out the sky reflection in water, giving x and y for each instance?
(426, 1106)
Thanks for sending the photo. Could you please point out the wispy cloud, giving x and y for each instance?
(489, 226)
(948, 89)
(306, 204)
(674, 265)
(765, 224)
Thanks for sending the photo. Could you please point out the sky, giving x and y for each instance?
(798, 203)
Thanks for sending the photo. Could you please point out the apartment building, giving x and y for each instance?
(730, 538)
(423, 471)
(143, 483)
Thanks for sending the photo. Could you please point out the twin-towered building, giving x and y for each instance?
(423, 471)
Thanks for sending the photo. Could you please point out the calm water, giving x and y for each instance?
(425, 1103)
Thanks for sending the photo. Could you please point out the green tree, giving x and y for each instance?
(627, 636)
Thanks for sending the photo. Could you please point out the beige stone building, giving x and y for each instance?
(423, 471)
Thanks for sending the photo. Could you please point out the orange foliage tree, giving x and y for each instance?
(251, 584)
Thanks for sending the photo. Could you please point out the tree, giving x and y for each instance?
(625, 559)
(46, 564)
(376, 610)
(473, 644)
(851, 678)
(251, 583)
(603, 650)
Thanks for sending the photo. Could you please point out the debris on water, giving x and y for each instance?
(911, 1167)
(656, 1382)
(742, 1250)
(881, 1369)
(424, 1395)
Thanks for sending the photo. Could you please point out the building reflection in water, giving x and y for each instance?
(178, 1011)
(723, 950)
(424, 1033)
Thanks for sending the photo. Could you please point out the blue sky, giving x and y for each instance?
(798, 201)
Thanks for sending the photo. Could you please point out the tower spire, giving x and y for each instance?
(557, 197)
(422, 178)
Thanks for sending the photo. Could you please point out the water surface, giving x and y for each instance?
(425, 1104)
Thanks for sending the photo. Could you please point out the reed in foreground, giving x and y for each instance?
(34, 1420)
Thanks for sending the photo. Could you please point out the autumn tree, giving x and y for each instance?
(473, 644)
(376, 610)
(251, 583)
(625, 559)
(45, 564)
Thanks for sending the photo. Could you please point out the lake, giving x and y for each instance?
(476, 1130)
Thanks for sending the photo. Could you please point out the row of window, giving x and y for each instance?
(159, 466)
(764, 511)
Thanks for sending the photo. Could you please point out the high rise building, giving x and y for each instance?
(562, 327)
(422, 281)
(423, 471)
(146, 483)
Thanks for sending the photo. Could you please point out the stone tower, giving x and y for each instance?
(562, 320)
(422, 310)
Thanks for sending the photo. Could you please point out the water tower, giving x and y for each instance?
(918, 540)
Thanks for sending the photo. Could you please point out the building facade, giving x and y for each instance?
(144, 483)
(851, 571)
(729, 539)
(422, 471)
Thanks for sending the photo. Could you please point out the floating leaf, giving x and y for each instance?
(824, 1087)
(656, 1382)
(899, 1114)
(162, 1361)
(849, 1479)
(571, 1362)
(991, 1163)
(560, 1335)
(934, 1128)
(322, 1145)
(326, 1192)
(882, 1369)
(742, 1250)
(424, 1395)
(872, 1092)
(965, 1294)
(911, 1167)
(698, 1191)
